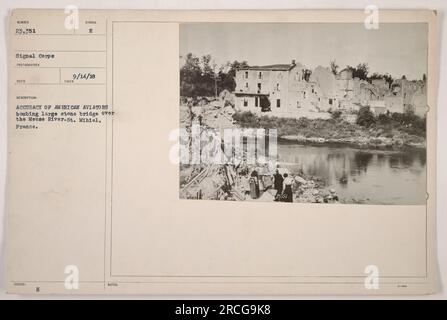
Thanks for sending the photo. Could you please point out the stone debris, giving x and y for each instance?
(228, 182)
(312, 192)
(231, 181)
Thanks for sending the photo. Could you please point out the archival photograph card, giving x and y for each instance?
(222, 152)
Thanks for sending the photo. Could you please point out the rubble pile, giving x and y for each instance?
(216, 182)
(312, 192)
(232, 181)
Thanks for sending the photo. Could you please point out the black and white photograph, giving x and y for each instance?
(303, 112)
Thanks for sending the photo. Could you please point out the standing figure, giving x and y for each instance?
(287, 195)
(277, 184)
(254, 185)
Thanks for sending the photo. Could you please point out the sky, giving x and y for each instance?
(395, 48)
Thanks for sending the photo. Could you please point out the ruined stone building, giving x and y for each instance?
(281, 89)
(291, 90)
(413, 95)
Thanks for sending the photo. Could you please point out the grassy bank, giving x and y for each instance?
(384, 130)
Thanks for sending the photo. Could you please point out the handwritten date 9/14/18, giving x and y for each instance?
(84, 76)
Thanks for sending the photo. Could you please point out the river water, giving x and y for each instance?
(362, 175)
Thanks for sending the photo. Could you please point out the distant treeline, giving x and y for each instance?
(199, 76)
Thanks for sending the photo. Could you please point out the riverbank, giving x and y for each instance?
(232, 183)
(362, 142)
(394, 131)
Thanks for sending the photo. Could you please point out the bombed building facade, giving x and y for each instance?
(292, 90)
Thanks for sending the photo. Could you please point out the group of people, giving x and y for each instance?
(283, 186)
(289, 187)
(281, 183)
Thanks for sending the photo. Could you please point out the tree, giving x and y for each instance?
(424, 77)
(202, 77)
(236, 65)
(208, 76)
(226, 79)
(375, 76)
(384, 118)
(410, 122)
(361, 71)
(336, 114)
(365, 117)
(388, 78)
(334, 67)
(190, 76)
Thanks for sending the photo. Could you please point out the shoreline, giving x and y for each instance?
(388, 132)
(357, 143)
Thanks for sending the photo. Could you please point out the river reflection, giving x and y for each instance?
(362, 176)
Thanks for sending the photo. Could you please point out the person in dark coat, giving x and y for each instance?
(254, 185)
(277, 184)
